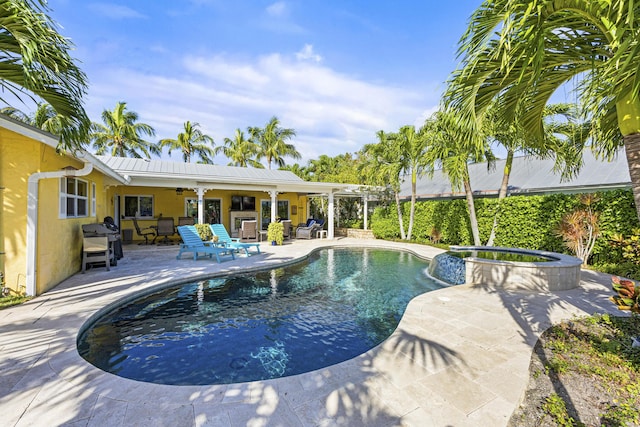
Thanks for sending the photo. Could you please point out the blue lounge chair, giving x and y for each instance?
(229, 242)
(193, 243)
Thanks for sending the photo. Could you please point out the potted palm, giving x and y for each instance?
(275, 233)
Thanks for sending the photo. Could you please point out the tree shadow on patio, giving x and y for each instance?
(535, 312)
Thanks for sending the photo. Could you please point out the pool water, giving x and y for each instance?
(331, 307)
(499, 255)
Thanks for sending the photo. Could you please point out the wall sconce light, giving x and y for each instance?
(178, 191)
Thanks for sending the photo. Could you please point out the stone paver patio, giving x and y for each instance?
(459, 357)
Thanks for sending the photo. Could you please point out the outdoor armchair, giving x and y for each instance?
(144, 232)
(286, 229)
(308, 231)
(166, 228)
(249, 230)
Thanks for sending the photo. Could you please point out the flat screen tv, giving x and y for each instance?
(236, 203)
(248, 203)
(243, 203)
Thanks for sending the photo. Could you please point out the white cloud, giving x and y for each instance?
(277, 19)
(332, 113)
(307, 54)
(277, 9)
(116, 11)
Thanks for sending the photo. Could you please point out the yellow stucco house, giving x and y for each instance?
(46, 197)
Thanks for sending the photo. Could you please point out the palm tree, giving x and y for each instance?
(300, 171)
(454, 144)
(562, 139)
(121, 136)
(16, 114)
(522, 51)
(191, 141)
(240, 151)
(35, 60)
(272, 141)
(411, 147)
(379, 164)
(45, 118)
(333, 169)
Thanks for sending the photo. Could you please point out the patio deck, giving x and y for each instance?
(459, 357)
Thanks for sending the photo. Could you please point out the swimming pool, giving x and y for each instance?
(331, 307)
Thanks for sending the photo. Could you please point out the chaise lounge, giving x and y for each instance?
(230, 243)
(193, 243)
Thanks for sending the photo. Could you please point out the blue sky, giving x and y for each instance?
(335, 71)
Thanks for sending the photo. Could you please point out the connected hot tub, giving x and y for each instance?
(507, 268)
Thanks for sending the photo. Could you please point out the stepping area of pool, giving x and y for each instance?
(459, 357)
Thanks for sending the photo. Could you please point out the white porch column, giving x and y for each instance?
(200, 191)
(338, 213)
(274, 205)
(366, 211)
(330, 228)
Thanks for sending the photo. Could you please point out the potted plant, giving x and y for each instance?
(205, 233)
(275, 233)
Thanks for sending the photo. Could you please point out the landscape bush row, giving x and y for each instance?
(526, 221)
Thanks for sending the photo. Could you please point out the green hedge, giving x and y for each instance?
(525, 221)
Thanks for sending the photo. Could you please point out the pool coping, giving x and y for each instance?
(445, 362)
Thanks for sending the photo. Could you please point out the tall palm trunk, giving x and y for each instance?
(413, 203)
(504, 186)
(628, 111)
(402, 235)
(632, 148)
(472, 211)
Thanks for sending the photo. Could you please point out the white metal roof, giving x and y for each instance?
(164, 173)
(529, 175)
(163, 168)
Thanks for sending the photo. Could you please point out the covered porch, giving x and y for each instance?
(219, 194)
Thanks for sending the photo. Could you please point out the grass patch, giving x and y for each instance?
(11, 300)
(597, 351)
(555, 407)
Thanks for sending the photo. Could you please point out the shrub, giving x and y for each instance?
(579, 228)
(525, 221)
(628, 297)
(384, 223)
(275, 232)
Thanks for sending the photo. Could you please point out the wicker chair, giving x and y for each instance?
(308, 231)
(286, 233)
(249, 231)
